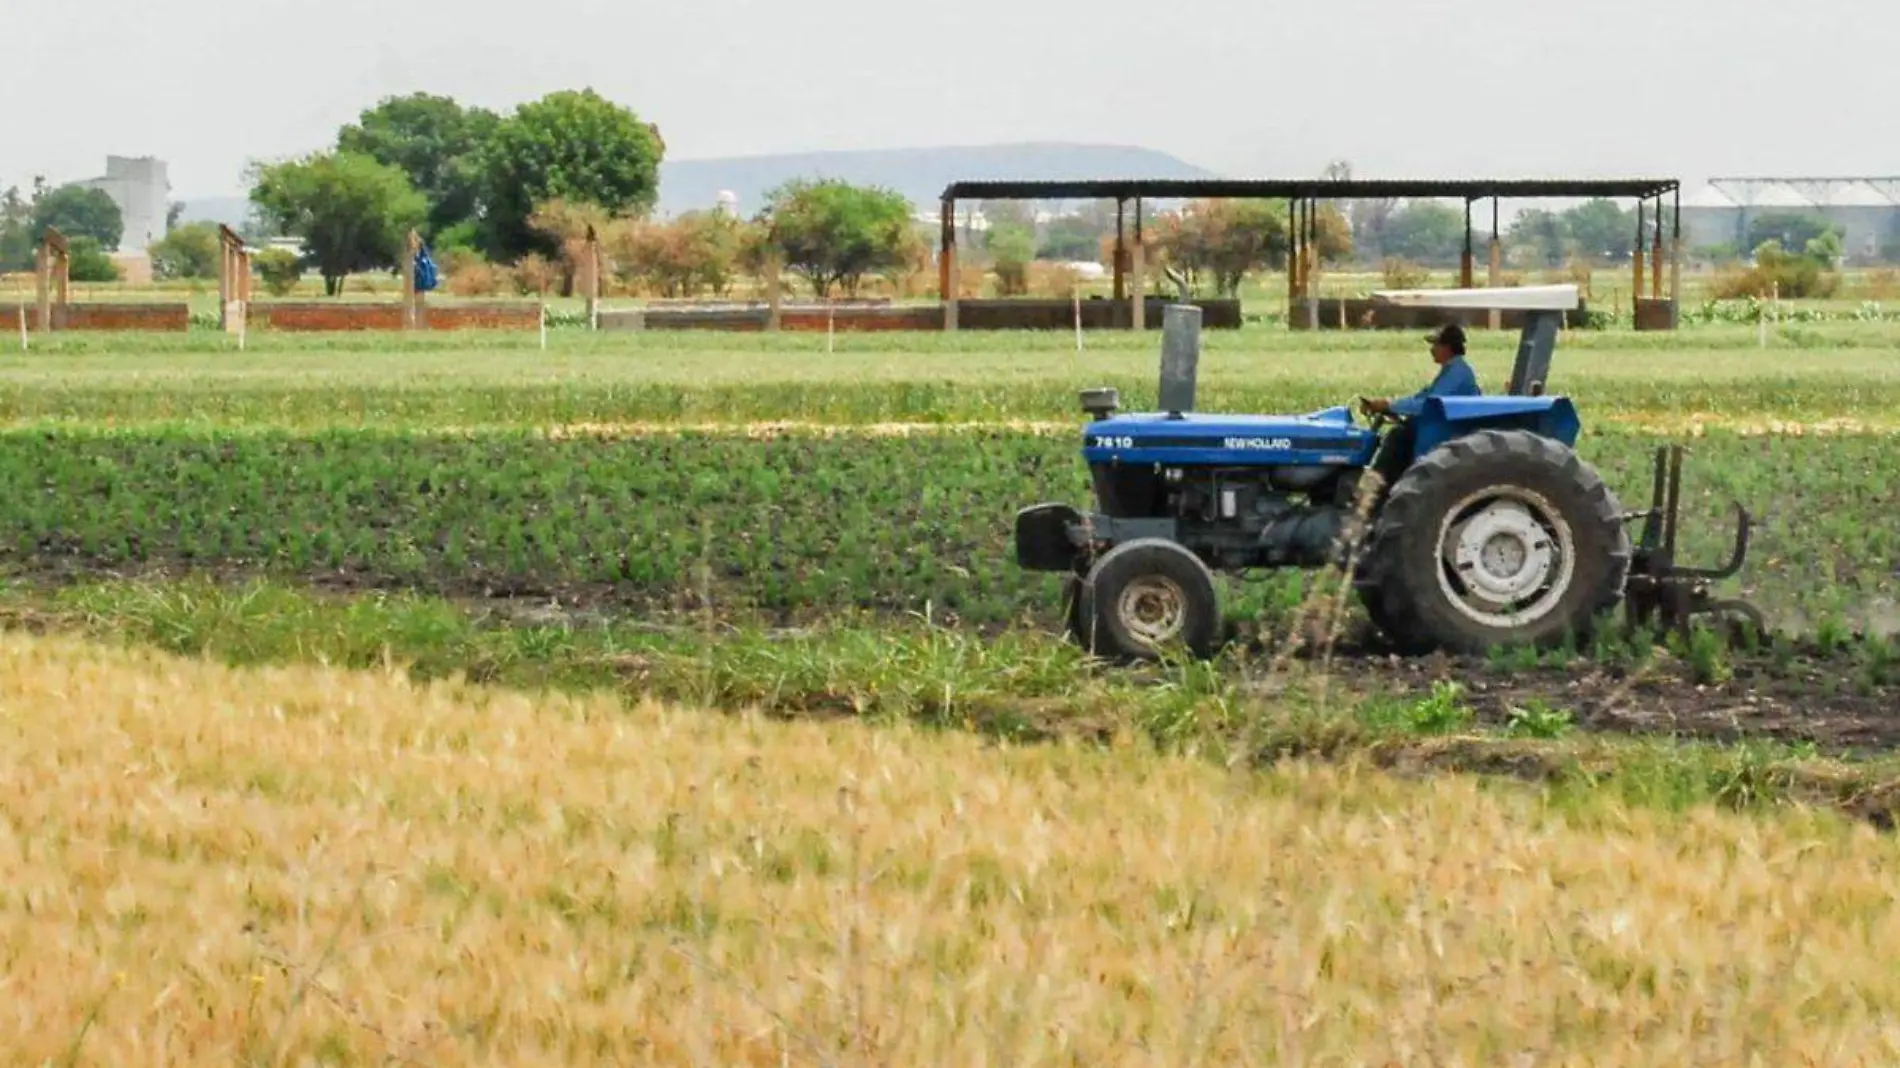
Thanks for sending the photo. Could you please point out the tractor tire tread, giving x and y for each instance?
(1397, 608)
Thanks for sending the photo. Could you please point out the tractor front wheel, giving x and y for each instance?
(1498, 538)
(1144, 596)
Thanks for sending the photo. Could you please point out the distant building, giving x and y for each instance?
(1866, 211)
(142, 190)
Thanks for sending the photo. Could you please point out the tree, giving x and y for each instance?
(190, 251)
(1225, 239)
(280, 269)
(1601, 230)
(1071, 237)
(1012, 247)
(1544, 233)
(570, 145)
(16, 231)
(436, 142)
(1425, 231)
(86, 261)
(835, 233)
(352, 212)
(1788, 229)
(77, 211)
(700, 250)
(174, 213)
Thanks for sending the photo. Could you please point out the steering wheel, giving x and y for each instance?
(1379, 420)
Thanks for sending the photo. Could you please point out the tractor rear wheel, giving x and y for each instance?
(1498, 538)
(1144, 596)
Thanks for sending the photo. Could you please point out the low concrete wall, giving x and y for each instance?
(1009, 314)
(321, 316)
(1099, 314)
(1362, 314)
(128, 316)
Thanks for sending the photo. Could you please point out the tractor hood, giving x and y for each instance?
(1201, 438)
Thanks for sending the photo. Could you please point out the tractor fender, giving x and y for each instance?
(1445, 418)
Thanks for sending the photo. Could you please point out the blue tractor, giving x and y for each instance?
(1481, 527)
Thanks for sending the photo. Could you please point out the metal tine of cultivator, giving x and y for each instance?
(1671, 591)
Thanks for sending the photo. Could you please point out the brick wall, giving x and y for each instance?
(165, 317)
(513, 315)
(315, 316)
(103, 317)
(324, 315)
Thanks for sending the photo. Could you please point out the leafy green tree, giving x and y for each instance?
(834, 233)
(436, 142)
(1225, 240)
(1545, 234)
(1424, 231)
(1012, 248)
(352, 212)
(1789, 229)
(76, 211)
(280, 269)
(190, 251)
(86, 261)
(569, 145)
(1601, 231)
(1071, 237)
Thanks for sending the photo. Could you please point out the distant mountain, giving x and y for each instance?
(918, 173)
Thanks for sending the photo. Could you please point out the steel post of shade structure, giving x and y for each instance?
(1311, 270)
(1496, 275)
(1636, 259)
(1656, 256)
(947, 264)
(1467, 263)
(1138, 308)
(1675, 260)
(1120, 291)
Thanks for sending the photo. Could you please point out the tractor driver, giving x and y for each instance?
(1455, 379)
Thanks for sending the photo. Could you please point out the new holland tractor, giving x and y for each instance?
(1483, 527)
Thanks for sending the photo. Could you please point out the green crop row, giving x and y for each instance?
(1646, 379)
(784, 528)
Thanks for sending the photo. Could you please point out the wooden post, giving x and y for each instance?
(1121, 252)
(42, 289)
(946, 267)
(1138, 311)
(590, 278)
(411, 299)
(773, 286)
(51, 276)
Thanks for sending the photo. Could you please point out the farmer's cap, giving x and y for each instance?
(1451, 335)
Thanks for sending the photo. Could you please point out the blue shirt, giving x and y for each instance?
(1455, 379)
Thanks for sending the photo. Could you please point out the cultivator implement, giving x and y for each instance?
(1664, 593)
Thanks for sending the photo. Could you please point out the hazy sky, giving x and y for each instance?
(1252, 88)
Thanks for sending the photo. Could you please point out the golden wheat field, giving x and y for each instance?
(307, 866)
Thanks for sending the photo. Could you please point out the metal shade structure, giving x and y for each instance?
(1304, 197)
